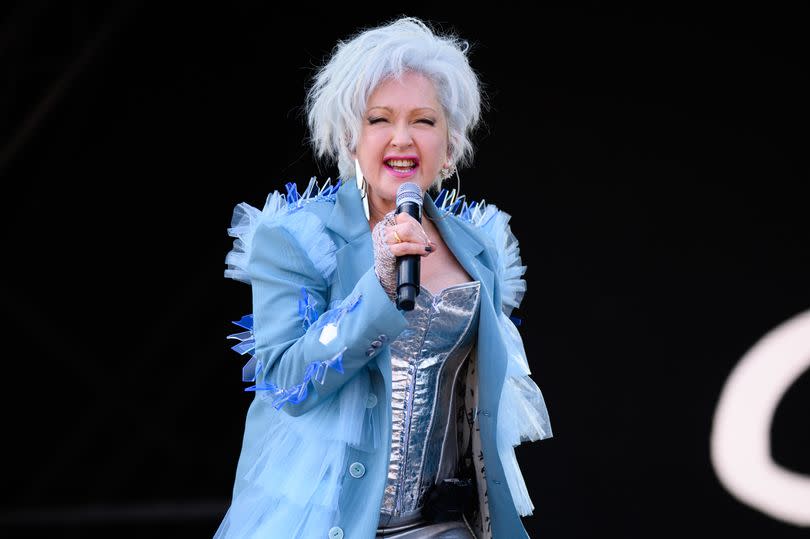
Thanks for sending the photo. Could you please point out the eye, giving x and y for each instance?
(375, 120)
(427, 121)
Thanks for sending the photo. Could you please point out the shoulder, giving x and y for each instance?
(490, 225)
(301, 214)
(290, 207)
(485, 221)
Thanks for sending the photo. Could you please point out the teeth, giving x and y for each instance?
(400, 163)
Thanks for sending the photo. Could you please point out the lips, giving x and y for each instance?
(399, 174)
(413, 158)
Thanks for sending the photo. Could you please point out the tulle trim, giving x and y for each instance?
(522, 414)
(495, 224)
(307, 228)
(290, 473)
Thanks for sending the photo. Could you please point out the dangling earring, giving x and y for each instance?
(362, 186)
(446, 172)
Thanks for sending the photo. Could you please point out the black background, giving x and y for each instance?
(654, 164)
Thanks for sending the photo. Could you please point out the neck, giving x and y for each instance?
(377, 209)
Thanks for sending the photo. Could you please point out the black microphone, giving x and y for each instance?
(409, 200)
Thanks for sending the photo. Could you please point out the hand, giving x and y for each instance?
(414, 240)
(404, 235)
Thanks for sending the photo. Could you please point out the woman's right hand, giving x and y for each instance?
(414, 240)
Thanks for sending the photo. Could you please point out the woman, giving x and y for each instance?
(369, 421)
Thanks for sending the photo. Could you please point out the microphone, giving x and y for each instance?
(409, 200)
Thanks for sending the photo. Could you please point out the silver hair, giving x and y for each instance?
(337, 99)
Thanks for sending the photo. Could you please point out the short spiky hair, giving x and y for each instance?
(337, 100)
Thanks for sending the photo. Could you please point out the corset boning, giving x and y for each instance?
(425, 362)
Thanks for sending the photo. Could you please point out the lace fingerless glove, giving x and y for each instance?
(385, 263)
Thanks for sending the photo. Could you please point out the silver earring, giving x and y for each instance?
(446, 172)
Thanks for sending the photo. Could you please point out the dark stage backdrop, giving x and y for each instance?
(655, 167)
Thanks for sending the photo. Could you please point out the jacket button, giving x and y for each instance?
(376, 343)
(371, 400)
(357, 470)
(371, 351)
(336, 532)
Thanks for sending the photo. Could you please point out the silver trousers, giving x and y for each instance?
(440, 530)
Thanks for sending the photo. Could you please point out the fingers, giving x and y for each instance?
(408, 248)
(395, 238)
(410, 230)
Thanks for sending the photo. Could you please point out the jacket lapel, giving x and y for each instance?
(348, 220)
(466, 245)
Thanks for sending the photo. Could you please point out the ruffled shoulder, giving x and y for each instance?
(298, 213)
(494, 225)
(285, 209)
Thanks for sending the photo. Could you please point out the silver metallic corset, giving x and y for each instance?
(425, 361)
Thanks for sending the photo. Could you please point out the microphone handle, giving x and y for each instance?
(408, 278)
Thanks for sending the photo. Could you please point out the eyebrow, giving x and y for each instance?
(389, 109)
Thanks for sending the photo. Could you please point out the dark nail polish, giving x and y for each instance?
(428, 248)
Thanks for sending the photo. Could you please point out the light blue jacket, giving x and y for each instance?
(318, 342)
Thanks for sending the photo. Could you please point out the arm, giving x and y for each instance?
(279, 268)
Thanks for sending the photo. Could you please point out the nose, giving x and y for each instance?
(401, 137)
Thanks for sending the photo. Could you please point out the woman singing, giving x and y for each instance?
(369, 420)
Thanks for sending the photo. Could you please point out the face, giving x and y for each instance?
(403, 118)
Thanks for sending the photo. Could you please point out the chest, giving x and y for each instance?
(441, 268)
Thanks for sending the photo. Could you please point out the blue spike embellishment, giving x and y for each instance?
(334, 315)
(253, 368)
(439, 202)
(330, 320)
(297, 393)
(292, 192)
(246, 321)
(296, 201)
(451, 204)
(306, 308)
(247, 345)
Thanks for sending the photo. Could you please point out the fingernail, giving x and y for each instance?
(428, 248)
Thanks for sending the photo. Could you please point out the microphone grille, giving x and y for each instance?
(409, 192)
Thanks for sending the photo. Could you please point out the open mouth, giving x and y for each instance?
(401, 167)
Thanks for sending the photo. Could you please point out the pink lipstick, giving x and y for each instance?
(400, 174)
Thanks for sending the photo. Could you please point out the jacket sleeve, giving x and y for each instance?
(305, 361)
